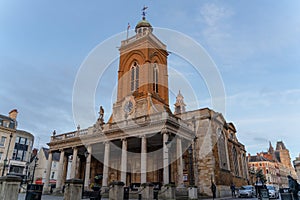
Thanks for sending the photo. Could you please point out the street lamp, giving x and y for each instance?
(5, 160)
(190, 150)
(35, 160)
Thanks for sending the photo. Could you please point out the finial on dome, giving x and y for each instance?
(144, 12)
(143, 27)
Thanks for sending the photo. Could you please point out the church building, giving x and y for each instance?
(143, 141)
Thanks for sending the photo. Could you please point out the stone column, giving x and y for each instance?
(88, 167)
(60, 171)
(74, 163)
(9, 187)
(65, 168)
(179, 162)
(106, 164)
(166, 158)
(144, 159)
(48, 171)
(124, 160)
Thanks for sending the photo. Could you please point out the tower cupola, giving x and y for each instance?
(143, 26)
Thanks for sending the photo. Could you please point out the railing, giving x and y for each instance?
(125, 124)
(69, 135)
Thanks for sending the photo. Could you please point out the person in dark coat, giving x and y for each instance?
(232, 187)
(213, 189)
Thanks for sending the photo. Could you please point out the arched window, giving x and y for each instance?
(235, 161)
(134, 77)
(222, 150)
(155, 78)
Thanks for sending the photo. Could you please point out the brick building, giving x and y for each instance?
(275, 164)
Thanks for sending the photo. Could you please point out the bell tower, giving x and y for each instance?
(142, 74)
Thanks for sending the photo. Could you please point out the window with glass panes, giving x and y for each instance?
(21, 148)
(2, 141)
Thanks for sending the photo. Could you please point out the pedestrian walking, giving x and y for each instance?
(232, 187)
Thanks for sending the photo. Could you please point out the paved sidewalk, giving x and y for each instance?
(44, 197)
(53, 197)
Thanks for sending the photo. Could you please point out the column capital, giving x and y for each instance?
(164, 130)
(142, 136)
(124, 139)
(106, 142)
(179, 137)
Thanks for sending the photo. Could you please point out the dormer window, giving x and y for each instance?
(134, 76)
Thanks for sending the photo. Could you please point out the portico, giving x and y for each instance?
(130, 158)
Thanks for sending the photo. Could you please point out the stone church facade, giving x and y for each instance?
(143, 141)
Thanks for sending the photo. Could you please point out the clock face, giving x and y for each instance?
(128, 106)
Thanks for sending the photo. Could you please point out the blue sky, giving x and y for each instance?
(254, 44)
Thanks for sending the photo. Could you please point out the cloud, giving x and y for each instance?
(212, 14)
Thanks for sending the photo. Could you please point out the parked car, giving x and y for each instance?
(273, 192)
(246, 191)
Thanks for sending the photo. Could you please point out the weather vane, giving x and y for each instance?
(144, 12)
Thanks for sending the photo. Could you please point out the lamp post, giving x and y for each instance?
(35, 160)
(190, 150)
(5, 160)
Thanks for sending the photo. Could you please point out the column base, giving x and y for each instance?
(193, 193)
(167, 192)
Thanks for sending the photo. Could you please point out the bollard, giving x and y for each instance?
(34, 192)
(126, 193)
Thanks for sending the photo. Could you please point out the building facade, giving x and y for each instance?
(38, 165)
(143, 141)
(275, 165)
(15, 146)
(296, 163)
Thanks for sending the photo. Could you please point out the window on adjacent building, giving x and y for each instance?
(52, 175)
(134, 76)
(2, 141)
(16, 169)
(23, 140)
(21, 148)
(1, 156)
(6, 124)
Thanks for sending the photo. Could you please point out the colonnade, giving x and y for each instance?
(63, 162)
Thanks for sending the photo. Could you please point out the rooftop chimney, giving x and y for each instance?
(13, 114)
